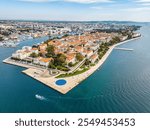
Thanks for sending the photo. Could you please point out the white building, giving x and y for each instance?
(136, 35)
(42, 61)
(35, 50)
(21, 54)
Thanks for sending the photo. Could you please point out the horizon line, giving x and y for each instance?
(75, 20)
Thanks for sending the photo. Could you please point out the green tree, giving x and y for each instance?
(40, 54)
(60, 59)
(114, 41)
(70, 64)
(51, 65)
(79, 57)
(129, 36)
(50, 51)
(87, 62)
(34, 55)
(1, 38)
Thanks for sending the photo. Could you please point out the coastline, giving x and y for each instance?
(71, 81)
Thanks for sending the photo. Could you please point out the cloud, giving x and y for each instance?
(138, 9)
(143, 1)
(73, 1)
(89, 1)
(37, 1)
(97, 7)
(146, 4)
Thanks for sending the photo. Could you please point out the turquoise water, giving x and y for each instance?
(122, 84)
(61, 82)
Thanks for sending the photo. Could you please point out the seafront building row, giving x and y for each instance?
(86, 45)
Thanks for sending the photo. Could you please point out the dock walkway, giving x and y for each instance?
(124, 49)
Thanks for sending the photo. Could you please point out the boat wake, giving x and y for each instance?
(42, 98)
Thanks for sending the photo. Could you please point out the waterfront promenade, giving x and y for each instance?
(72, 81)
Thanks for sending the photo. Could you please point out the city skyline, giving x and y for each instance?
(76, 10)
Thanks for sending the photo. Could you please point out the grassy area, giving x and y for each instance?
(92, 64)
(62, 68)
(72, 74)
(72, 65)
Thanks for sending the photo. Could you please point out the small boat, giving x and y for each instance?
(40, 97)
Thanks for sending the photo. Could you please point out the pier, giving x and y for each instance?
(124, 49)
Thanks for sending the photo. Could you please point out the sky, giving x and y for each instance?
(76, 10)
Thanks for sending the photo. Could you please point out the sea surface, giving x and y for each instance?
(122, 84)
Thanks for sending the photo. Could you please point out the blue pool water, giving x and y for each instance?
(61, 82)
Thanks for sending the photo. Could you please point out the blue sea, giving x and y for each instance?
(122, 84)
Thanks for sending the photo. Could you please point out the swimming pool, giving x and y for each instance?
(61, 82)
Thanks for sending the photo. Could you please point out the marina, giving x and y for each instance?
(8, 44)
